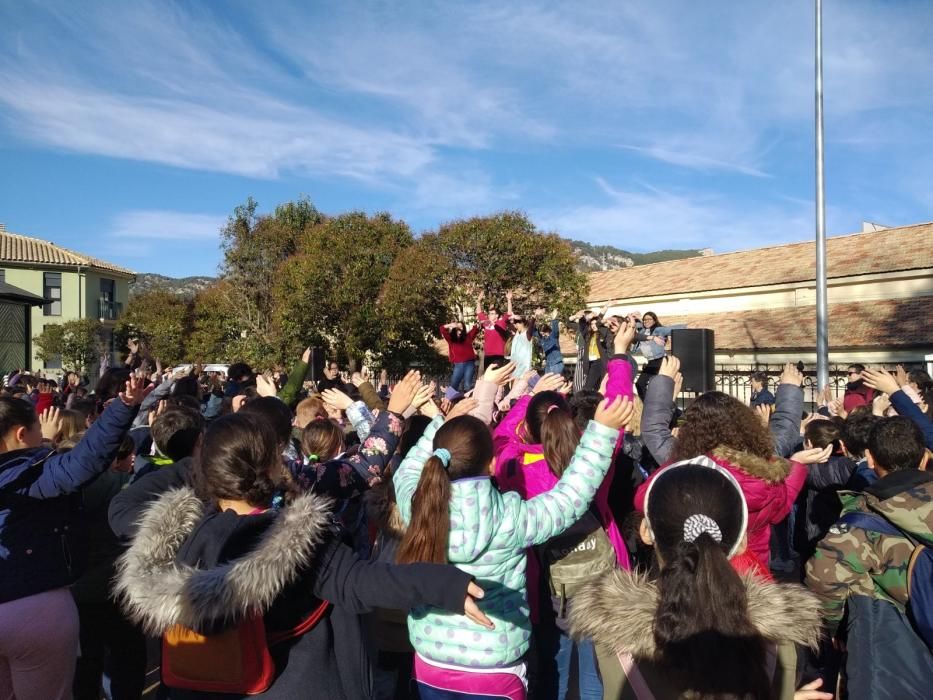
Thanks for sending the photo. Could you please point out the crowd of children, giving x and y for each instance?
(526, 535)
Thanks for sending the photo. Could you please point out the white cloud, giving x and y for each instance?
(160, 225)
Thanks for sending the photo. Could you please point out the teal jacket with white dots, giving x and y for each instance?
(489, 533)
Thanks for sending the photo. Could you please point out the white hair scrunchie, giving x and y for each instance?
(698, 524)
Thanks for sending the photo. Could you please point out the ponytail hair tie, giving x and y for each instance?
(700, 524)
(552, 407)
(443, 455)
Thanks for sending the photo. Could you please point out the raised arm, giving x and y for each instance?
(408, 473)
(659, 410)
(882, 380)
(788, 410)
(296, 378)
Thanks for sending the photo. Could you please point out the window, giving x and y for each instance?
(54, 362)
(107, 289)
(52, 290)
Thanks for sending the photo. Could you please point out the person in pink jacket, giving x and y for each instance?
(531, 443)
(734, 437)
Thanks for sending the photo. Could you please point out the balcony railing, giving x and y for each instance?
(109, 310)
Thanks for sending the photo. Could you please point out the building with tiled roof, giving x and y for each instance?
(72, 285)
(761, 303)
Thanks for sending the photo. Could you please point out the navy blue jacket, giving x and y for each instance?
(762, 397)
(39, 546)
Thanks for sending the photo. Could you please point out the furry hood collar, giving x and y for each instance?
(618, 611)
(158, 592)
(772, 471)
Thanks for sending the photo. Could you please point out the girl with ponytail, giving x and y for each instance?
(700, 630)
(454, 514)
(534, 444)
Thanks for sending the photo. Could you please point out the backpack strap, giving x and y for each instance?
(303, 627)
(630, 668)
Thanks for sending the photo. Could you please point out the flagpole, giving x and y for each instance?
(822, 332)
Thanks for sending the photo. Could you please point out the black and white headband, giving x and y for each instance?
(699, 523)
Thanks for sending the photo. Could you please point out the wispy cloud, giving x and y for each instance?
(160, 225)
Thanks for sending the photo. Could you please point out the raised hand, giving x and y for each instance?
(811, 691)
(791, 375)
(624, 337)
(306, 356)
(265, 385)
(838, 407)
(901, 375)
(50, 421)
(336, 399)
(135, 391)
(880, 404)
(404, 392)
(880, 379)
(764, 413)
(499, 374)
(614, 413)
(670, 366)
(159, 410)
(678, 384)
(549, 382)
(815, 455)
(462, 408)
(424, 395)
(357, 379)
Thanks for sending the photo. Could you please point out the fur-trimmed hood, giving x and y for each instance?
(771, 471)
(157, 592)
(618, 611)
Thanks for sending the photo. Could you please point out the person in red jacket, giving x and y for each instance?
(461, 354)
(858, 393)
(496, 330)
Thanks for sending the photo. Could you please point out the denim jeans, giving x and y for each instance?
(555, 671)
(463, 373)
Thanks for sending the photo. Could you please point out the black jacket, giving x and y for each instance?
(283, 562)
(818, 504)
(40, 546)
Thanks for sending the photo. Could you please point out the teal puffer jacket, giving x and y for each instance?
(489, 533)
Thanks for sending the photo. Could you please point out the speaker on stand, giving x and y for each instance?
(695, 348)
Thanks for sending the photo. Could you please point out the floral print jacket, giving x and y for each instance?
(348, 476)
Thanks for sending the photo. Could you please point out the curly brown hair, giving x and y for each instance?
(717, 419)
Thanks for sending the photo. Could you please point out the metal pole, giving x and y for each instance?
(822, 332)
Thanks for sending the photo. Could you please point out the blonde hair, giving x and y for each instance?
(633, 426)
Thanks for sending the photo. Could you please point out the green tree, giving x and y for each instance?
(162, 319)
(215, 334)
(503, 252)
(327, 292)
(254, 248)
(78, 343)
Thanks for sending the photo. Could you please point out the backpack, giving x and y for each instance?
(919, 571)
(574, 558)
(236, 660)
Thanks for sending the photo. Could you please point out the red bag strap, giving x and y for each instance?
(304, 626)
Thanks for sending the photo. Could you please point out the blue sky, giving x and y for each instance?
(130, 130)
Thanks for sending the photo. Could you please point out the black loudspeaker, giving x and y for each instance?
(316, 364)
(695, 348)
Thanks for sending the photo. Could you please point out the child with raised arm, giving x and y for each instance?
(454, 514)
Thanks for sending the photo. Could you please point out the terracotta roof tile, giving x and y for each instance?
(888, 250)
(889, 324)
(15, 248)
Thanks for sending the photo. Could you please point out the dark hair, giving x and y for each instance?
(458, 334)
(896, 444)
(187, 386)
(127, 447)
(321, 440)
(275, 412)
(858, 426)
(715, 419)
(412, 430)
(184, 401)
(702, 625)
(176, 432)
(761, 378)
(919, 377)
(653, 315)
(470, 445)
(15, 413)
(821, 433)
(550, 423)
(240, 460)
(239, 370)
(857, 366)
(583, 405)
(87, 407)
(111, 383)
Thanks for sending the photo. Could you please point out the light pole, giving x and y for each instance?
(822, 331)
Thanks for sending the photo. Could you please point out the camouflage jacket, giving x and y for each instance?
(852, 561)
